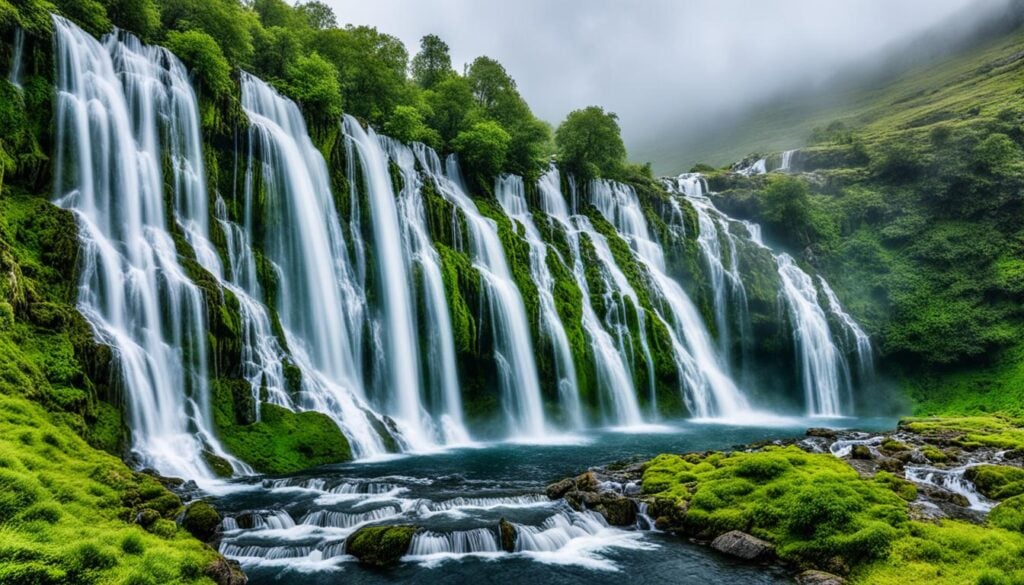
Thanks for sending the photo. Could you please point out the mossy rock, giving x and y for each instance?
(1009, 514)
(508, 534)
(201, 520)
(997, 482)
(380, 546)
(282, 441)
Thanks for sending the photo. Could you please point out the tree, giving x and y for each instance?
(313, 82)
(371, 67)
(433, 63)
(482, 149)
(141, 17)
(450, 104)
(319, 15)
(225, 21)
(203, 56)
(406, 124)
(590, 143)
(490, 82)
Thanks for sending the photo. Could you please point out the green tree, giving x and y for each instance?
(490, 83)
(141, 17)
(319, 15)
(313, 82)
(450, 107)
(482, 149)
(276, 49)
(406, 124)
(203, 56)
(226, 21)
(432, 64)
(371, 67)
(589, 143)
(995, 154)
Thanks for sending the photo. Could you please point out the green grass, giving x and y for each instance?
(66, 510)
(820, 513)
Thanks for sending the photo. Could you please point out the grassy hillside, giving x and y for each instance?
(905, 93)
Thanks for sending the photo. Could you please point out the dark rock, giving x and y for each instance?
(861, 452)
(146, 517)
(225, 572)
(819, 578)
(890, 464)
(617, 510)
(201, 520)
(744, 546)
(380, 546)
(821, 432)
(587, 482)
(219, 465)
(560, 488)
(508, 534)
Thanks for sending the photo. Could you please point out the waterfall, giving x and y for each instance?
(319, 302)
(952, 480)
(711, 390)
(615, 380)
(513, 347)
(787, 161)
(511, 196)
(420, 253)
(823, 369)
(14, 75)
(115, 103)
(861, 341)
(728, 292)
(758, 167)
(397, 310)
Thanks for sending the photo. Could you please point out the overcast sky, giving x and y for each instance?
(651, 60)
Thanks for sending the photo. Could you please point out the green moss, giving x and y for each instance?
(282, 441)
(200, 520)
(380, 545)
(1009, 514)
(1000, 432)
(997, 482)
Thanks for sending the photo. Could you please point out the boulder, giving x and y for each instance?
(617, 510)
(742, 545)
(225, 572)
(380, 546)
(201, 520)
(819, 578)
(587, 482)
(507, 533)
(861, 452)
(560, 488)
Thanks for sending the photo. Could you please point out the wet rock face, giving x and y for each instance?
(380, 546)
(507, 532)
(744, 546)
(225, 572)
(603, 491)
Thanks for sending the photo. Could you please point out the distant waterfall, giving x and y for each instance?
(320, 305)
(822, 366)
(611, 354)
(711, 392)
(14, 74)
(509, 323)
(511, 196)
(116, 103)
(787, 161)
(442, 373)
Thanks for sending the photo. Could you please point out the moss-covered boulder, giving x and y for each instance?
(201, 520)
(380, 546)
(997, 481)
(1009, 514)
(508, 534)
(282, 441)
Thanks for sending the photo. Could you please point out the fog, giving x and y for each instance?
(660, 63)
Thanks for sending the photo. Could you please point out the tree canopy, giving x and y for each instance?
(590, 143)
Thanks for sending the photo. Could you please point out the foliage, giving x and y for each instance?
(371, 69)
(432, 64)
(406, 124)
(319, 15)
(201, 53)
(226, 21)
(313, 82)
(142, 17)
(590, 143)
(380, 545)
(482, 149)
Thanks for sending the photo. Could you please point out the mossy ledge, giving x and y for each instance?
(380, 546)
(854, 517)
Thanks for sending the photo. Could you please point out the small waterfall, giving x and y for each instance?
(787, 161)
(461, 542)
(844, 447)
(759, 167)
(711, 390)
(951, 480)
(420, 253)
(509, 323)
(558, 530)
(115, 104)
(319, 301)
(14, 75)
(397, 310)
(610, 355)
(823, 368)
(861, 341)
(511, 196)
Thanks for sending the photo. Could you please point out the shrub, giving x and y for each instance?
(201, 53)
(313, 82)
(483, 148)
(589, 143)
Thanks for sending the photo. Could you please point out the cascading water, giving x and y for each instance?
(511, 196)
(114, 104)
(420, 253)
(397, 311)
(14, 74)
(787, 161)
(711, 392)
(610, 357)
(509, 323)
(319, 303)
(861, 341)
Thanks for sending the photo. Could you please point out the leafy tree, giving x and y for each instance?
(482, 149)
(451, 106)
(490, 83)
(432, 64)
(319, 15)
(203, 56)
(141, 17)
(226, 21)
(280, 13)
(313, 82)
(371, 67)
(406, 124)
(89, 14)
(276, 49)
(590, 143)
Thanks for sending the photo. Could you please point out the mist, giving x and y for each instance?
(661, 65)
